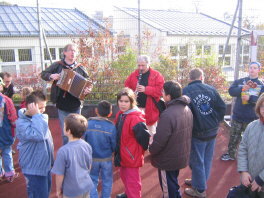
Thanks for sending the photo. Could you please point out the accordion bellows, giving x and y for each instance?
(73, 83)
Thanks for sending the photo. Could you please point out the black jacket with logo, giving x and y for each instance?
(207, 107)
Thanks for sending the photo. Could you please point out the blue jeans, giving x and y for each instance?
(38, 186)
(106, 172)
(200, 162)
(62, 114)
(6, 161)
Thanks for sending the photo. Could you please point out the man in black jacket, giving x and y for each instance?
(208, 110)
(65, 102)
(8, 88)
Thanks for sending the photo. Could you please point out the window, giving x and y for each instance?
(24, 55)
(52, 53)
(227, 61)
(183, 50)
(198, 50)
(26, 69)
(221, 49)
(9, 68)
(61, 53)
(7, 55)
(121, 49)
(207, 50)
(183, 62)
(245, 59)
(245, 49)
(174, 50)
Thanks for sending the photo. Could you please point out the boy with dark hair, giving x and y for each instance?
(73, 162)
(101, 135)
(171, 145)
(35, 145)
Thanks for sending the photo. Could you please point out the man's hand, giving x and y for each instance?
(245, 87)
(245, 178)
(141, 88)
(88, 90)
(54, 76)
(255, 186)
(32, 109)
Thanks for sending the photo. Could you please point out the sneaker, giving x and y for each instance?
(10, 179)
(227, 157)
(188, 182)
(122, 195)
(194, 193)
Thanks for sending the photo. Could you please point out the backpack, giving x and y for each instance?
(241, 191)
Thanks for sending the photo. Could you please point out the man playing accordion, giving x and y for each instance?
(65, 102)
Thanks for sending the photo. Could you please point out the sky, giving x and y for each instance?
(254, 9)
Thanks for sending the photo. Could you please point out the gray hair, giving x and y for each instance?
(66, 47)
(144, 58)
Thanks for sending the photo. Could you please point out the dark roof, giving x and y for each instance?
(23, 21)
(183, 23)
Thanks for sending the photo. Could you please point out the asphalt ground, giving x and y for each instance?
(223, 174)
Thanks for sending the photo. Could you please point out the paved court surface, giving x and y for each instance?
(223, 174)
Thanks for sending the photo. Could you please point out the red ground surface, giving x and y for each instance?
(223, 174)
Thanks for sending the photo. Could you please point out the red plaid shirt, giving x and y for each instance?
(11, 113)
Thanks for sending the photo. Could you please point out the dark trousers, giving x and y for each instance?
(169, 183)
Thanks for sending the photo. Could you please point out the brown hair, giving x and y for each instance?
(258, 104)
(26, 91)
(76, 123)
(195, 74)
(130, 94)
(35, 97)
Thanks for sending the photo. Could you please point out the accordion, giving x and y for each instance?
(73, 83)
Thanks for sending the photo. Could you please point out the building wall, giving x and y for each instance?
(32, 43)
(162, 42)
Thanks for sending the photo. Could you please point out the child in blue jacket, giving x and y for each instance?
(35, 145)
(101, 135)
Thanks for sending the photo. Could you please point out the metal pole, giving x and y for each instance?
(230, 31)
(44, 83)
(46, 44)
(139, 37)
(238, 58)
(40, 38)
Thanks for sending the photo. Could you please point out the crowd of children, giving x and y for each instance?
(88, 155)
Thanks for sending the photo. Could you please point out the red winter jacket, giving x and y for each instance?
(129, 153)
(153, 89)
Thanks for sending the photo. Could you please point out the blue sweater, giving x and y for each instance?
(245, 112)
(101, 135)
(35, 144)
(207, 107)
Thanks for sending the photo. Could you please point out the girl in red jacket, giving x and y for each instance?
(132, 141)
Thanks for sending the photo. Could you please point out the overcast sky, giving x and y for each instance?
(215, 8)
